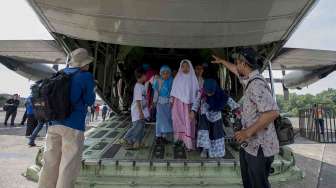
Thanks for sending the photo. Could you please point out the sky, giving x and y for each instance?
(19, 22)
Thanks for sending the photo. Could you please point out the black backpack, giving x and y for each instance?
(282, 125)
(284, 130)
(51, 97)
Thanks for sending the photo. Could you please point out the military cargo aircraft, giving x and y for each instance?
(123, 34)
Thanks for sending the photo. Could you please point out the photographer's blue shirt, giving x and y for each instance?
(82, 95)
(29, 106)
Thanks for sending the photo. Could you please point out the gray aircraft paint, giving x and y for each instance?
(31, 71)
(174, 24)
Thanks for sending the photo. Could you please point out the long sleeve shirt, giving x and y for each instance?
(82, 95)
(12, 104)
(29, 107)
(202, 107)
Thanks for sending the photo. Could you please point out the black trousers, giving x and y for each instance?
(255, 170)
(24, 118)
(31, 125)
(104, 116)
(11, 114)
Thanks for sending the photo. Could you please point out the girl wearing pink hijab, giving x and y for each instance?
(183, 93)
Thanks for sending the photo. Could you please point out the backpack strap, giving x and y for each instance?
(258, 78)
(71, 74)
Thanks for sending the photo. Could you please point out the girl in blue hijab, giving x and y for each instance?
(162, 87)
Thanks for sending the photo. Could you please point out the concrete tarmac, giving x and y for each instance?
(318, 161)
(15, 155)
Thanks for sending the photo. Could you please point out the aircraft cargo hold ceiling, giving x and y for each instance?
(174, 24)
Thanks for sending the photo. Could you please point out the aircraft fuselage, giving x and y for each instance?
(302, 78)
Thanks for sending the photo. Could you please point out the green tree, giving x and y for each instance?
(297, 102)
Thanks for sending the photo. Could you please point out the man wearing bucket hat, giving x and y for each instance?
(64, 143)
(259, 110)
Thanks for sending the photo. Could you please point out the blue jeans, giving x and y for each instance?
(320, 122)
(33, 136)
(136, 132)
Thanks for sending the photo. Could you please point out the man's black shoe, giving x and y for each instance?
(32, 145)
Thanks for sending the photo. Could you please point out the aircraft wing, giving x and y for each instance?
(32, 51)
(303, 59)
(28, 58)
(307, 65)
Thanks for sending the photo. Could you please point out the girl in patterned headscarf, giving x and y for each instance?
(210, 102)
(162, 87)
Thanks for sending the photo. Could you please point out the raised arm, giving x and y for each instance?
(232, 67)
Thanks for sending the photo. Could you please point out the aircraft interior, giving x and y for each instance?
(113, 62)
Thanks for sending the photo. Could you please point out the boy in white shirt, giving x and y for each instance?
(139, 112)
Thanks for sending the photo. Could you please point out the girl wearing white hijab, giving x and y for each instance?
(184, 93)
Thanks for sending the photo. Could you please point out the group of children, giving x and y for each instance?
(188, 108)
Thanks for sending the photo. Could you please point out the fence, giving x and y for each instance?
(318, 123)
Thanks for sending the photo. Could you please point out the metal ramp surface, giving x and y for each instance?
(107, 164)
(103, 143)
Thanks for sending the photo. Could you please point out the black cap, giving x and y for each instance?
(253, 59)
